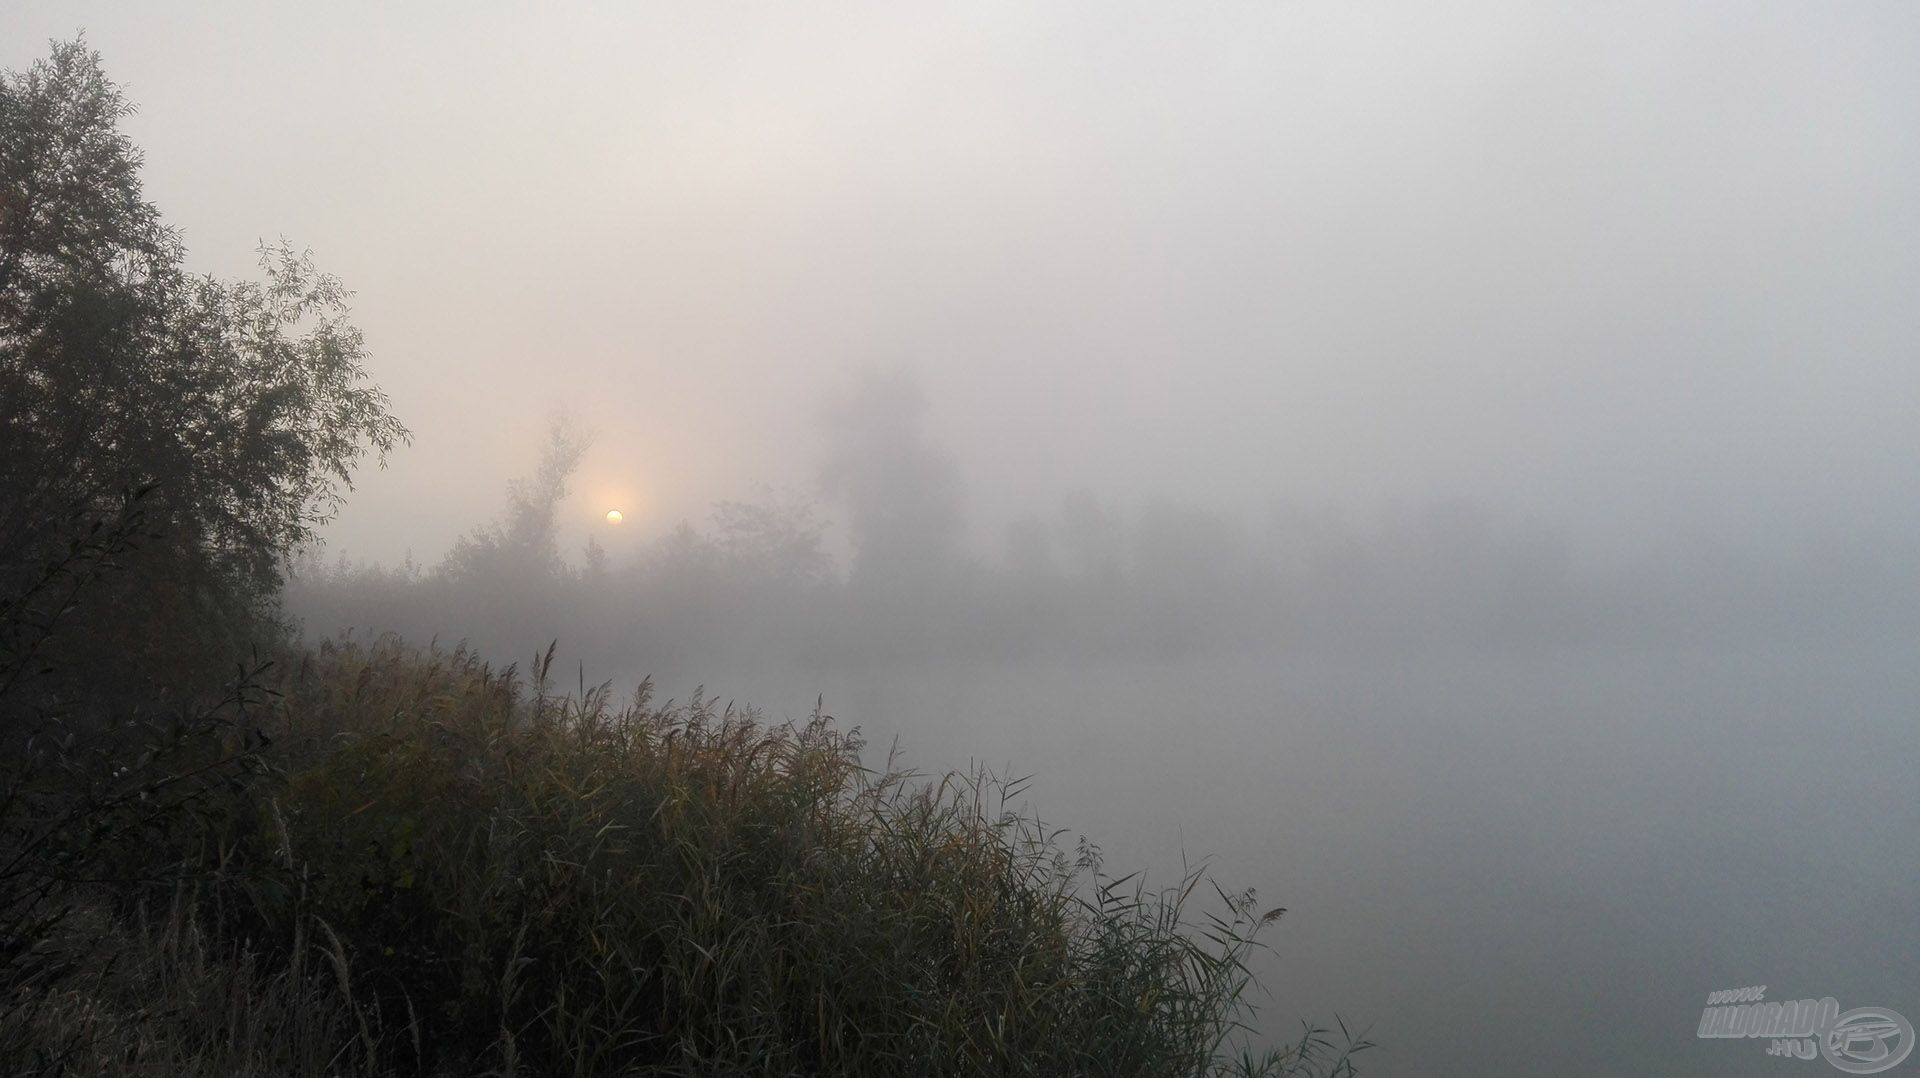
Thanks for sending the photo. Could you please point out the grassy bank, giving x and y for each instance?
(381, 860)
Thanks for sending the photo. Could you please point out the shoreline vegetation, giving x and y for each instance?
(381, 860)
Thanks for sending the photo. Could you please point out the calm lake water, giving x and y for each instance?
(1523, 862)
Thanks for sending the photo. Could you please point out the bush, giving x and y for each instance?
(96, 824)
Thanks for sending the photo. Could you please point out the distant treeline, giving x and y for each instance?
(1093, 579)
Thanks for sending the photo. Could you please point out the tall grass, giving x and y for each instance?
(164, 997)
(449, 869)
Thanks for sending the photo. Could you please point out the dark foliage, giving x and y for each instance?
(241, 407)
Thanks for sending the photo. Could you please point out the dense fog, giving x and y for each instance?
(1520, 806)
(1452, 467)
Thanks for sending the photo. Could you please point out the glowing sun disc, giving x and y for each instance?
(614, 516)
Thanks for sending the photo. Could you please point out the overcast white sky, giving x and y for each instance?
(1647, 272)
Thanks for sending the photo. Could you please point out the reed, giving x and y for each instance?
(436, 867)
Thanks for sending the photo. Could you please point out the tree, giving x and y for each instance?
(522, 547)
(773, 541)
(900, 489)
(242, 408)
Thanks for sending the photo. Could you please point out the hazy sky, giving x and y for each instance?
(1647, 272)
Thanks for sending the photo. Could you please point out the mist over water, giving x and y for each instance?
(1498, 857)
(1519, 808)
(1453, 469)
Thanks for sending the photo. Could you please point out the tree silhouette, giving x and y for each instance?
(900, 490)
(242, 407)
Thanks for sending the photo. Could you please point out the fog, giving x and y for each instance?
(1454, 467)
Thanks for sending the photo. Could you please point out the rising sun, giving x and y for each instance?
(614, 516)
